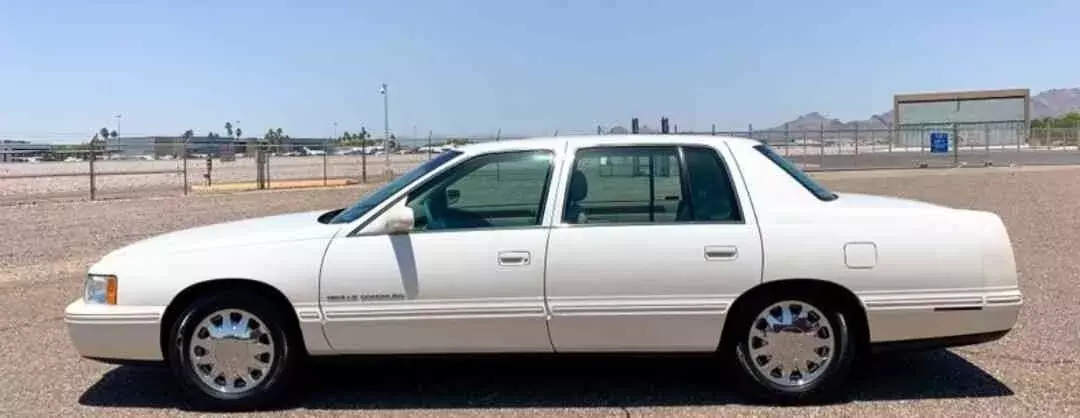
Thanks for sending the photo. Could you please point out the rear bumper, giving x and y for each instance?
(984, 319)
(115, 334)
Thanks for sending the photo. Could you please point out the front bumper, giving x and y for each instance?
(115, 333)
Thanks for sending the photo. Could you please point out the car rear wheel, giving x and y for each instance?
(792, 349)
(232, 351)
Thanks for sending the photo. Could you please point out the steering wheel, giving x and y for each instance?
(441, 216)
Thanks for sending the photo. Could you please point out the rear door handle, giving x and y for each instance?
(514, 258)
(721, 252)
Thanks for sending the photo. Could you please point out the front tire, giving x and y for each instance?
(232, 351)
(792, 348)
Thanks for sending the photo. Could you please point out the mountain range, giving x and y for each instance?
(1052, 103)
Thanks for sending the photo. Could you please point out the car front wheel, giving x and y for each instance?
(231, 351)
(793, 349)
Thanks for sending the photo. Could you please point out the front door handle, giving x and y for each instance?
(721, 252)
(514, 258)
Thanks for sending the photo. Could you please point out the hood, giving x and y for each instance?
(858, 200)
(278, 228)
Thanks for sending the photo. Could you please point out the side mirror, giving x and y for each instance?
(452, 196)
(399, 220)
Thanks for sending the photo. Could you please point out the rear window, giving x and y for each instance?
(818, 190)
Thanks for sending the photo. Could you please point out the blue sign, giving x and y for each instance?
(939, 142)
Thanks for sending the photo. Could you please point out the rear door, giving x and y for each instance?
(650, 248)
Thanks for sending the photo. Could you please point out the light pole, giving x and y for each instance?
(386, 128)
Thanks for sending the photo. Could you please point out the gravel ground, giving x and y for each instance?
(1031, 372)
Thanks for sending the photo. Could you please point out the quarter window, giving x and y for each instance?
(712, 194)
(494, 190)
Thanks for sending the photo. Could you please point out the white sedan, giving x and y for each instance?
(589, 244)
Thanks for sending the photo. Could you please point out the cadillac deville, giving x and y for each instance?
(589, 244)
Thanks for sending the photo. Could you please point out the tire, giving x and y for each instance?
(193, 345)
(818, 384)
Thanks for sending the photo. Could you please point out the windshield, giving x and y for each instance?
(800, 176)
(378, 195)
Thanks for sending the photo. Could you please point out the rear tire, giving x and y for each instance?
(233, 351)
(791, 348)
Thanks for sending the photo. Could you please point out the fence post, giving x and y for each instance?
(821, 144)
(805, 151)
(855, 162)
(93, 156)
(956, 145)
(266, 166)
(1049, 127)
(893, 137)
(183, 154)
(325, 157)
(259, 173)
(363, 161)
(429, 144)
(1025, 135)
(714, 129)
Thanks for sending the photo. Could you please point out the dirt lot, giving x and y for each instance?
(1032, 372)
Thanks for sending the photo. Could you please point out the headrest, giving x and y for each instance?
(579, 187)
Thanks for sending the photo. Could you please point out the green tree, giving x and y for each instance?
(188, 134)
(228, 128)
(358, 139)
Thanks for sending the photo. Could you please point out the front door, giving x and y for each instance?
(468, 278)
(653, 245)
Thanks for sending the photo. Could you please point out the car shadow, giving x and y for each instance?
(580, 381)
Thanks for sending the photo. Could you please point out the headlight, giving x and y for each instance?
(100, 289)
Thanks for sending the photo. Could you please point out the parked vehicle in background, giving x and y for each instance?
(600, 244)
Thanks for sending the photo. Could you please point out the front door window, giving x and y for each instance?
(493, 190)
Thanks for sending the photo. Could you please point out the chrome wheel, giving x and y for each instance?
(231, 351)
(791, 343)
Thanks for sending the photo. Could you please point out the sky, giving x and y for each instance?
(519, 67)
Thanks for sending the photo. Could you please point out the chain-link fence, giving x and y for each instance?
(160, 165)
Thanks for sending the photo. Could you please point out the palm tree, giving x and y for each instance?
(239, 133)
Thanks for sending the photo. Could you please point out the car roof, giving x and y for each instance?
(557, 142)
